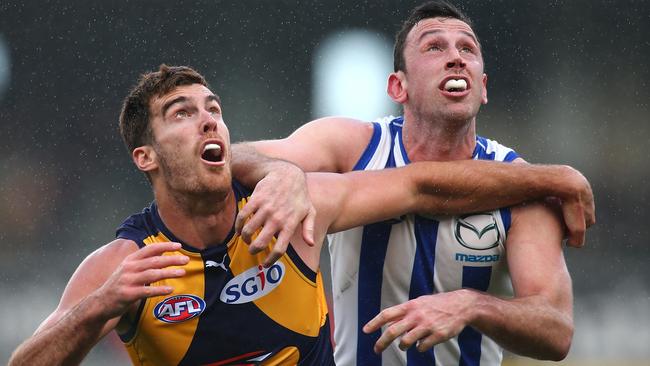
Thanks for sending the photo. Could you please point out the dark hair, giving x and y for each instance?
(432, 9)
(134, 117)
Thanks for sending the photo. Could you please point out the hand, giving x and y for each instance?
(129, 283)
(425, 321)
(279, 204)
(578, 208)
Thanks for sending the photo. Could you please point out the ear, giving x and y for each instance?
(397, 87)
(144, 158)
(484, 99)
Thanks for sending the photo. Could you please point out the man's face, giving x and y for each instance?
(191, 140)
(444, 70)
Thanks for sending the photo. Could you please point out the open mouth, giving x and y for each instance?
(454, 85)
(212, 152)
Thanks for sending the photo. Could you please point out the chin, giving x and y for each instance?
(459, 114)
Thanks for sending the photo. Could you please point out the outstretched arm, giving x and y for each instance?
(104, 287)
(449, 188)
(331, 144)
(537, 322)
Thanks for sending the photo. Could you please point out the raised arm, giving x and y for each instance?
(359, 198)
(105, 286)
(331, 144)
(335, 144)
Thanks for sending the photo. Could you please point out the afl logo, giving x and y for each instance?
(477, 231)
(179, 308)
(252, 284)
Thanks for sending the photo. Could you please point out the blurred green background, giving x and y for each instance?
(568, 83)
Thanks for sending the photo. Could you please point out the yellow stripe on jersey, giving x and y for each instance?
(171, 341)
(292, 303)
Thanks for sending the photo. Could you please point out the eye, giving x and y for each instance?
(181, 114)
(434, 47)
(466, 49)
(214, 111)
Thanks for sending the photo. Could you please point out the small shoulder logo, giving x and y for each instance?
(179, 308)
(477, 231)
(252, 284)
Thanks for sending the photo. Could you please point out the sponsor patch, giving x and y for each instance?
(477, 231)
(179, 308)
(252, 284)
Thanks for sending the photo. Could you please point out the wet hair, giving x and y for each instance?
(135, 126)
(432, 9)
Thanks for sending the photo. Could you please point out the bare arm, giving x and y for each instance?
(537, 322)
(359, 198)
(104, 287)
(331, 144)
(280, 202)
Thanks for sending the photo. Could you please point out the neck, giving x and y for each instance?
(438, 139)
(198, 220)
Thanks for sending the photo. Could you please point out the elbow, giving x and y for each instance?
(559, 349)
(564, 345)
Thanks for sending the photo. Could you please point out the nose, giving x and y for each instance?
(208, 122)
(456, 62)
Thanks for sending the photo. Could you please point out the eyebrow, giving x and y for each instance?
(433, 31)
(213, 97)
(168, 105)
(183, 99)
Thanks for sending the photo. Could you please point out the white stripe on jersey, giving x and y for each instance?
(451, 252)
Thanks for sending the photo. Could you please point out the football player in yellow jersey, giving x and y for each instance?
(172, 125)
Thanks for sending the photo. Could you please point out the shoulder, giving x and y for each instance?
(138, 226)
(99, 264)
(340, 130)
(341, 140)
(488, 149)
(535, 222)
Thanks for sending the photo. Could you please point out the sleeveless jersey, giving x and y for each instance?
(384, 264)
(228, 309)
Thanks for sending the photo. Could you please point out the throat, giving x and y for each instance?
(436, 142)
(202, 223)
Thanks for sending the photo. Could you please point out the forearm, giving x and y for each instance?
(248, 166)
(529, 326)
(471, 186)
(67, 341)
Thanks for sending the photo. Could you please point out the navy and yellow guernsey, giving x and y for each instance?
(228, 309)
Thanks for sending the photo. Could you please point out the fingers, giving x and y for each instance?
(390, 334)
(246, 223)
(426, 342)
(270, 222)
(153, 291)
(262, 240)
(415, 336)
(308, 225)
(279, 248)
(155, 249)
(574, 218)
(153, 275)
(149, 265)
(386, 316)
(160, 261)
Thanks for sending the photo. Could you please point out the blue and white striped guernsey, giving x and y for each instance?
(380, 265)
